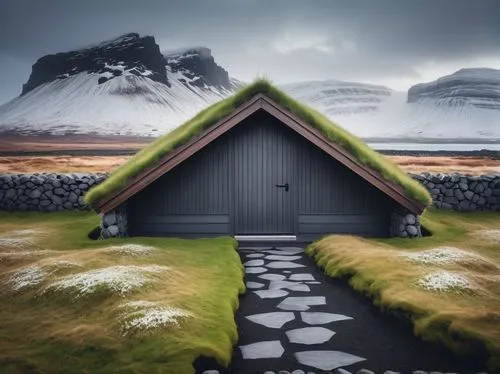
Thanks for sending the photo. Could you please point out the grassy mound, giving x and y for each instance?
(447, 284)
(141, 305)
(208, 117)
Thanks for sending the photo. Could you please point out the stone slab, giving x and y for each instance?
(254, 263)
(282, 258)
(272, 276)
(301, 277)
(301, 303)
(309, 335)
(255, 270)
(254, 285)
(321, 318)
(273, 320)
(271, 294)
(327, 360)
(267, 349)
(284, 265)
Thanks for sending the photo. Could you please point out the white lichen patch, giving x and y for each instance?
(14, 243)
(119, 279)
(491, 235)
(132, 250)
(148, 316)
(25, 278)
(444, 281)
(64, 264)
(441, 256)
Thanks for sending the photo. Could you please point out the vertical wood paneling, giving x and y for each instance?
(198, 186)
(236, 176)
(265, 152)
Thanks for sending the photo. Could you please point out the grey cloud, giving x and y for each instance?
(289, 40)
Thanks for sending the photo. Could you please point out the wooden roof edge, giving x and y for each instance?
(256, 102)
(411, 204)
(107, 203)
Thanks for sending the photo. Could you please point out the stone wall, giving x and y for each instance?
(404, 224)
(461, 192)
(55, 192)
(46, 192)
(114, 224)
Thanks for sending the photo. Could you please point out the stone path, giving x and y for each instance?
(295, 318)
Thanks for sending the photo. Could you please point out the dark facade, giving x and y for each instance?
(259, 178)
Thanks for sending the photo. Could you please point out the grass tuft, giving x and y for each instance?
(185, 294)
(209, 116)
(447, 284)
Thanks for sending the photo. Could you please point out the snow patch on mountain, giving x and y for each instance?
(479, 87)
(371, 111)
(124, 86)
(127, 105)
(127, 86)
(337, 98)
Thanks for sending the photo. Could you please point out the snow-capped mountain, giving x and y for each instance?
(128, 86)
(125, 86)
(336, 98)
(464, 105)
(477, 87)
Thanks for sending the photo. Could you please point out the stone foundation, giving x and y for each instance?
(51, 192)
(55, 192)
(114, 224)
(404, 224)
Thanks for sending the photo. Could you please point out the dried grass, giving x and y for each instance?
(451, 295)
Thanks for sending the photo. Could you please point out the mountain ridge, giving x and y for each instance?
(129, 86)
(124, 86)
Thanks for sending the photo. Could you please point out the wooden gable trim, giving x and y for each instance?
(259, 101)
(178, 155)
(339, 153)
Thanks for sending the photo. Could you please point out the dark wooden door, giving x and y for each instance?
(264, 183)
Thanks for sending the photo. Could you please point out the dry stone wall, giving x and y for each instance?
(404, 224)
(46, 192)
(114, 224)
(53, 192)
(462, 192)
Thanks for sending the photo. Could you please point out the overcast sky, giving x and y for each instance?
(393, 42)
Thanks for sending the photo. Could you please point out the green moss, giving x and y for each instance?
(209, 116)
(465, 323)
(48, 334)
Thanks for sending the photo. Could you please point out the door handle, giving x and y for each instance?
(286, 186)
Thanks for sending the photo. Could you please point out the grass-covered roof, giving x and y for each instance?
(150, 154)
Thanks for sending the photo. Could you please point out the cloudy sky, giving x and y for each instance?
(393, 42)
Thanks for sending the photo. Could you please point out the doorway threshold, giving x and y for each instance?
(266, 238)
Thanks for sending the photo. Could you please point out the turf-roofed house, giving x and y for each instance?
(259, 164)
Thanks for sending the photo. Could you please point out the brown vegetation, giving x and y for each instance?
(443, 164)
(60, 164)
(49, 143)
(418, 278)
(414, 164)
